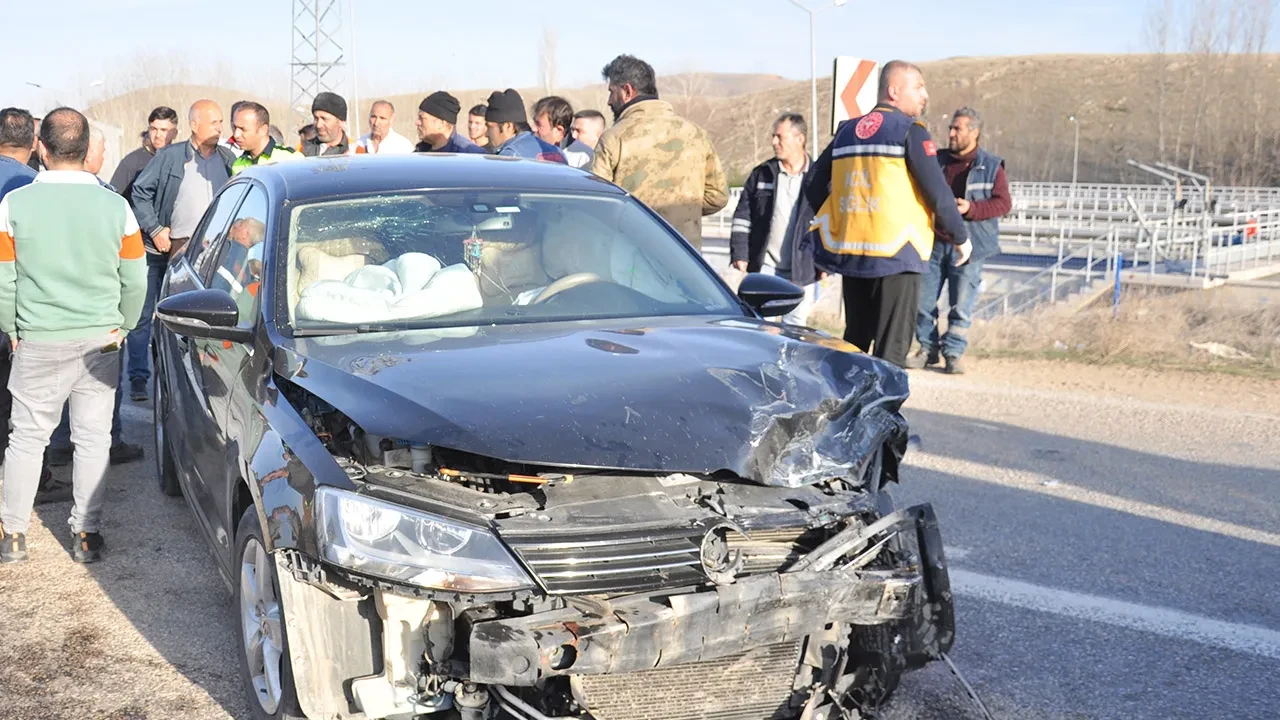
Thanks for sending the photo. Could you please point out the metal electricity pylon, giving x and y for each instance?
(318, 56)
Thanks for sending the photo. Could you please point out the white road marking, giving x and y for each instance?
(955, 553)
(1250, 639)
(1045, 485)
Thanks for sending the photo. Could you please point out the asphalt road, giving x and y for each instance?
(1113, 556)
(1113, 537)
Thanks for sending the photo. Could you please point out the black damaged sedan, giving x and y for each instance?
(474, 437)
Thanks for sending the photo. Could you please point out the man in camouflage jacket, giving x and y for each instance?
(667, 162)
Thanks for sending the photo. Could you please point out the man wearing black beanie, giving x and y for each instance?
(509, 131)
(329, 111)
(437, 117)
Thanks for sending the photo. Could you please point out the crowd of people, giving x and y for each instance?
(881, 206)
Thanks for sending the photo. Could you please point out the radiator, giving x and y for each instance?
(755, 685)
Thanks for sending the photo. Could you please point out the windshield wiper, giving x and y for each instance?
(349, 329)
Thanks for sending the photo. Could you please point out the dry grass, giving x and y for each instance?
(1155, 330)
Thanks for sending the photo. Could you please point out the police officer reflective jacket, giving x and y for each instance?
(881, 198)
(272, 153)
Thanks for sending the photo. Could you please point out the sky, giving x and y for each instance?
(424, 45)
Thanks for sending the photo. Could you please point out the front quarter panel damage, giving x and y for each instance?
(819, 414)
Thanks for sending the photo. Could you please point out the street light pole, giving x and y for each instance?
(813, 70)
(355, 79)
(1075, 161)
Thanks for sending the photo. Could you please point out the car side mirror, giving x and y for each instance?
(770, 295)
(205, 314)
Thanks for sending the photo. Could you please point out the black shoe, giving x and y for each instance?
(86, 547)
(60, 457)
(13, 547)
(51, 490)
(124, 452)
(138, 391)
(954, 366)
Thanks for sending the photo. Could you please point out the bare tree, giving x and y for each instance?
(687, 93)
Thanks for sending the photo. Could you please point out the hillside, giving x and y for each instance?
(1220, 113)
(1224, 109)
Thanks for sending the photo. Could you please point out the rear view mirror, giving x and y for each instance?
(203, 313)
(770, 295)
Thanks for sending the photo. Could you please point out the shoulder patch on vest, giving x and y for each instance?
(869, 125)
(930, 149)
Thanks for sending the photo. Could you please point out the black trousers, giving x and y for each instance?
(880, 314)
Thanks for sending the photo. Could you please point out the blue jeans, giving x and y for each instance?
(139, 342)
(962, 295)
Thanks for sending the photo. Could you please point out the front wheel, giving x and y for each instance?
(264, 652)
(166, 471)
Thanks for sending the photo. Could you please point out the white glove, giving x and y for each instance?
(963, 253)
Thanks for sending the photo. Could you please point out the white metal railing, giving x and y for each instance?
(1097, 260)
(1088, 202)
(1209, 251)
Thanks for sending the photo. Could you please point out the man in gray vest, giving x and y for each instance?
(977, 179)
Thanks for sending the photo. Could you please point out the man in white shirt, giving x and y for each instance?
(381, 139)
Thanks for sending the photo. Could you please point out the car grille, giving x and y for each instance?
(641, 561)
(612, 563)
(772, 550)
(755, 685)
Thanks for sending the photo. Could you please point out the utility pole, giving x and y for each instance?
(813, 67)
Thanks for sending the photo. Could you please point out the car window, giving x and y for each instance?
(453, 258)
(212, 227)
(239, 270)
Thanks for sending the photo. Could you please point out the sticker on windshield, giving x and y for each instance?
(507, 209)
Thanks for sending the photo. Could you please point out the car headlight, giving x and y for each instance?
(394, 542)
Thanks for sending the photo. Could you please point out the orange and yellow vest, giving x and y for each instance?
(875, 222)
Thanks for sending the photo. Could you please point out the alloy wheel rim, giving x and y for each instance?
(263, 632)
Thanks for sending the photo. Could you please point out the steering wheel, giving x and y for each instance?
(566, 283)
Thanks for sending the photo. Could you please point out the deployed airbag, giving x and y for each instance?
(411, 286)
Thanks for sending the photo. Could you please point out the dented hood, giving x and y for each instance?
(782, 407)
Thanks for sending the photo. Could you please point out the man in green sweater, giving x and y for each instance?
(67, 322)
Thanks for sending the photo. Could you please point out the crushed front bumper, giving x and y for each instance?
(652, 630)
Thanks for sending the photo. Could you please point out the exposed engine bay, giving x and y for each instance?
(650, 595)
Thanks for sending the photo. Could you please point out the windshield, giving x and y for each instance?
(450, 258)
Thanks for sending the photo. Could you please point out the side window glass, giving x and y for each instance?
(212, 227)
(239, 270)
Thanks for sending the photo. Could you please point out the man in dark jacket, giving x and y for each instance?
(329, 111)
(169, 198)
(509, 130)
(764, 237)
(978, 182)
(881, 202)
(162, 128)
(437, 123)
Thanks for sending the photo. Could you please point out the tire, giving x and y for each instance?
(874, 661)
(166, 471)
(265, 674)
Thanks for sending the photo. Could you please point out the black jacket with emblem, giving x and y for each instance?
(753, 217)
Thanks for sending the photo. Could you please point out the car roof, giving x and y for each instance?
(328, 177)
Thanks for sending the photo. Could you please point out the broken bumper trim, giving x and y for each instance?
(642, 632)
